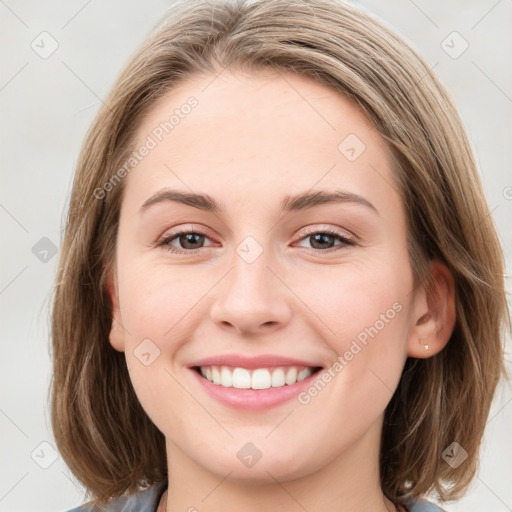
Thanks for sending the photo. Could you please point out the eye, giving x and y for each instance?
(323, 240)
(190, 241)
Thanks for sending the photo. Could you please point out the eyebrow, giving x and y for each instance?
(302, 201)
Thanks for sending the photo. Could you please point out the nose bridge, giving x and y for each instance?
(251, 261)
(251, 295)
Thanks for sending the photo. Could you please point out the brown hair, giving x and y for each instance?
(100, 428)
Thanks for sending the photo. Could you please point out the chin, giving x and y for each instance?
(264, 471)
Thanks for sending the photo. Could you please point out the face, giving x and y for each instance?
(320, 283)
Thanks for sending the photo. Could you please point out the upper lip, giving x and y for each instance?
(262, 361)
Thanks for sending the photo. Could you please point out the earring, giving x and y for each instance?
(426, 346)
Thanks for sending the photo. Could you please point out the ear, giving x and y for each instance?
(434, 314)
(116, 336)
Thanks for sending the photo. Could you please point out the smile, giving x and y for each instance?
(257, 378)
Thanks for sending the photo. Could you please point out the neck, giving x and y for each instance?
(349, 483)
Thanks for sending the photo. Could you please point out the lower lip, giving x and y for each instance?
(254, 399)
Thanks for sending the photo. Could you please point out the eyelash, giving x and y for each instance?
(169, 238)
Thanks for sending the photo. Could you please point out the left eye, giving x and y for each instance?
(191, 241)
(320, 238)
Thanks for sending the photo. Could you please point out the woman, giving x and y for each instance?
(280, 287)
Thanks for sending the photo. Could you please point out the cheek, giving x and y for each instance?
(156, 299)
(355, 297)
(370, 326)
(154, 385)
(366, 323)
(156, 305)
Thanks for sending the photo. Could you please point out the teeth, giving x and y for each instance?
(215, 375)
(291, 376)
(278, 378)
(241, 378)
(303, 374)
(260, 378)
(226, 378)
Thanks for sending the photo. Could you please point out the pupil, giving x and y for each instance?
(323, 239)
(189, 238)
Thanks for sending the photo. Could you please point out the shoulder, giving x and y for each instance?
(147, 501)
(143, 501)
(420, 505)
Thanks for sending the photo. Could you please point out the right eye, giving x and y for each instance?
(185, 238)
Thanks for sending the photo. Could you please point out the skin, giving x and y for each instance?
(252, 140)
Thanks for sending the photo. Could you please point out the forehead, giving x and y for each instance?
(259, 132)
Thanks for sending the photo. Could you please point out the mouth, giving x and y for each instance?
(255, 378)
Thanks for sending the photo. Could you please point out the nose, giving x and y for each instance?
(253, 298)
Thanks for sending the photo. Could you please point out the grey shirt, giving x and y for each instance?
(147, 501)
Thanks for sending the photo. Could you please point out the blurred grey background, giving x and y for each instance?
(58, 60)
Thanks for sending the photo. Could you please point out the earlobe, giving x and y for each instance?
(116, 336)
(434, 314)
